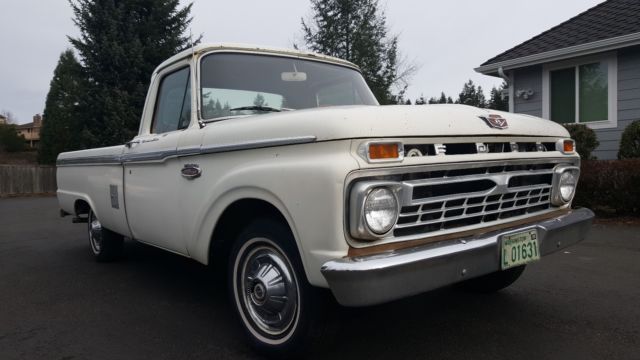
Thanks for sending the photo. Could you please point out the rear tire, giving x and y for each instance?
(105, 244)
(495, 281)
(278, 309)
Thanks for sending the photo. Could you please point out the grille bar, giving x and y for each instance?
(540, 200)
(465, 206)
(441, 201)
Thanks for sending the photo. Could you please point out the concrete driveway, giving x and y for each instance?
(57, 303)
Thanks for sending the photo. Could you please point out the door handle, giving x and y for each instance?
(191, 171)
(130, 144)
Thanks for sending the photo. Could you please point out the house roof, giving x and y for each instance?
(608, 20)
(25, 126)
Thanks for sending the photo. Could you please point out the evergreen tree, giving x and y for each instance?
(449, 100)
(356, 30)
(433, 100)
(472, 96)
(120, 44)
(10, 140)
(63, 129)
(443, 99)
(421, 100)
(498, 101)
(259, 100)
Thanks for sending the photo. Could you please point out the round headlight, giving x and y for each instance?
(380, 210)
(567, 184)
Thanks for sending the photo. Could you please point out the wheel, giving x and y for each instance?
(495, 281)
(277, 307)
(105, 244)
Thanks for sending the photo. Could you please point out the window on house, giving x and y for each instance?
(585, 86)
(582, 93)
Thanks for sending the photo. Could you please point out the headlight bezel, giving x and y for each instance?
(359, 228)
(556, 194)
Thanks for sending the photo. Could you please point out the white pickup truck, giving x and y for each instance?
(282, 165)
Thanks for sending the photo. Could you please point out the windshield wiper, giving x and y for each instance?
(257, 108)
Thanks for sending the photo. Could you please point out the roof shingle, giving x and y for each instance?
(609, 19)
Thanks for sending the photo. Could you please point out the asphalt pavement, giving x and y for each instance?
(56, 302)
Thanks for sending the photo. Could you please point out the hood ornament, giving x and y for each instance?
(495, 121)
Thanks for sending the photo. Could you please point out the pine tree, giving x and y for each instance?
(421, 100)
(443, 99)
(356, 30)
(62, 129)
(472, 96)
(120, 44)
(498, 101)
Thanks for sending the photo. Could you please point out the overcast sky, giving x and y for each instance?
(446, 38)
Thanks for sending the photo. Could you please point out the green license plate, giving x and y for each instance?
(520, 248)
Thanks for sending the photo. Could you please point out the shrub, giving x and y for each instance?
(610, 186)
(586, 140)
(630, 142)
(10, 141)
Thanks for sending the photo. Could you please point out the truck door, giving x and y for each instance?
(151, 166)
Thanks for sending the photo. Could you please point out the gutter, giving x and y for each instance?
(561, 54)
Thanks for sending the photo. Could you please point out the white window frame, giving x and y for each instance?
(611, 60)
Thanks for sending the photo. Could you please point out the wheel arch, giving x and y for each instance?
(228, 216)
(234, 219)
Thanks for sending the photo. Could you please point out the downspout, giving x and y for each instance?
(509, 82)
(504, 76)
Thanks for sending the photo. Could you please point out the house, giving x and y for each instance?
(31, 131)
(3, 120)
(585, 70)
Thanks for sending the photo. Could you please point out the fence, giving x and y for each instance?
(27, 179)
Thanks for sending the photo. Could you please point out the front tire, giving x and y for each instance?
(105, 244)
(276, 305)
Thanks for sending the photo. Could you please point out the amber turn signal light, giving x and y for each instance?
(384, 151)
(568, 146)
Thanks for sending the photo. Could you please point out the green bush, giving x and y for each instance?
(610, 186)
(586, 139)
(10, 141)
(630, 142)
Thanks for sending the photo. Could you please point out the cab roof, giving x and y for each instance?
(203, 48)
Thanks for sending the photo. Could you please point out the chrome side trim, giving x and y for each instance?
(391, 275)
(257, 144)
(91, 160)
(162, 155)
(153, 156)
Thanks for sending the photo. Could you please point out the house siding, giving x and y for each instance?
(628, 99)
(628, 103)
(529, 78)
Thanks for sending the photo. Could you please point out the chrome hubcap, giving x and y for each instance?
(95, 234)
(268, 290)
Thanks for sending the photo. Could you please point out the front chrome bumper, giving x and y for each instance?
(375, 279)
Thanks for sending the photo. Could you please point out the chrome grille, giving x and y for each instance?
(451, 200)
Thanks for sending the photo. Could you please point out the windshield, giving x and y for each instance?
(242, 84)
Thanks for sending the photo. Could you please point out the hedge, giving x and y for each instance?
(610, 187)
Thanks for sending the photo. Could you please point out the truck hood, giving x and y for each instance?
(350, 122)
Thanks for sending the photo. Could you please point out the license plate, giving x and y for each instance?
(520, 248)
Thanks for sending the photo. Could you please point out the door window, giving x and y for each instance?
(173, 104)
